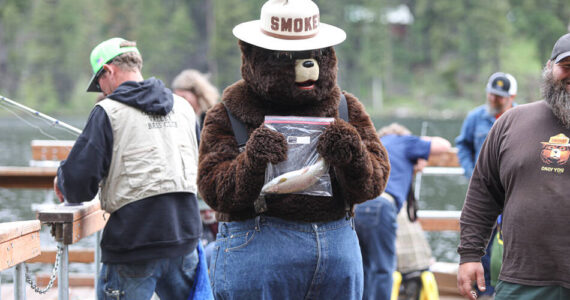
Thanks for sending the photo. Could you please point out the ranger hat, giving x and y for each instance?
(499, 84)
(561, 49)
(289, 25)
(104, 53)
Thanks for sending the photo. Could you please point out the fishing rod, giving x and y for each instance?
(41, 115)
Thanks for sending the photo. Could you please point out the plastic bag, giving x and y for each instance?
(304, 171)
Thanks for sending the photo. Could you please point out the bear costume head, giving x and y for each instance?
(289, 78)
(289, 68)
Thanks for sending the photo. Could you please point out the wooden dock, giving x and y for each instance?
(71, 224)
(75, 293)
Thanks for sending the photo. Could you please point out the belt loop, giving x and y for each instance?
(259, 204)
(224, 228)
(258, 223)
(352, 223)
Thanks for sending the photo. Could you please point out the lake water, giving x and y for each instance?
(16, 134)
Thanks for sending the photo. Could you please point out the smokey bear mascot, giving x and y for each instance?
(287, 245)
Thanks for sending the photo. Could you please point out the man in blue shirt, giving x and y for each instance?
(375, 219)
(501, 91)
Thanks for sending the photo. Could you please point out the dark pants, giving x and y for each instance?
(486, 261)
(508, 291)
(376, 225)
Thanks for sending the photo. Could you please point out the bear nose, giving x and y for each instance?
(308, 64)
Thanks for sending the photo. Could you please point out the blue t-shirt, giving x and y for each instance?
(403, 152)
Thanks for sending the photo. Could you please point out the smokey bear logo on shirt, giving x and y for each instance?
(557, 151)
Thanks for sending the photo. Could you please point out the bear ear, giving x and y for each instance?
(245, 47)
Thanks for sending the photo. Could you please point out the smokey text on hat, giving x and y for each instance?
(307, 24)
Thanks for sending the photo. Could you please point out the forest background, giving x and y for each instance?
(422, 58)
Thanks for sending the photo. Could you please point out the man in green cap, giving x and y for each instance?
(140, 147)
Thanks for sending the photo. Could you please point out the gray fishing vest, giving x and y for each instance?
(152, 154)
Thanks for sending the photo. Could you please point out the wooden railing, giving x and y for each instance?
(48, 153)
(438, 220)
(19, 241)
(448, 159)
(27, 177)
(46, 156)
(69, 224)
(72, 223)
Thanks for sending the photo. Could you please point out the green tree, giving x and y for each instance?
(542, 21)
(227, 15)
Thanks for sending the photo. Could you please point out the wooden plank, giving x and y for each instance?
(85, 256)
(15, 251)
(12, 230)
(439, 220)
(19, 241)
(74, 222)
(446, 283)
(68, 213)
(443, 224)
(448, 159)
(27, 177)
(445, 274)
(79, 279)
(50, 149)
(86, 226)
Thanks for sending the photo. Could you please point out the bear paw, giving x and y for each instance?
(266, 145)
(339, 143)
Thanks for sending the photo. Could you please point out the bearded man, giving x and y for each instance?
(501, 92)
(512, 177)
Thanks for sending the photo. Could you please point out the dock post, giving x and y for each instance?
(97, 259)
(19, 282)
(63, 274)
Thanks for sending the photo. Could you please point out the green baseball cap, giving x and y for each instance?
(104, 53)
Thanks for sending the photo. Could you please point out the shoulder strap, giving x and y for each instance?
(240, 132)
(343, 108)
(343, 114)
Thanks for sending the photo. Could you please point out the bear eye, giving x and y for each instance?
(283, 55)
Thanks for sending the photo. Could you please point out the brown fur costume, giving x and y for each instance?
(230, 181)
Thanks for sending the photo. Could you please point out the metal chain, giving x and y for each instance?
(34, 285)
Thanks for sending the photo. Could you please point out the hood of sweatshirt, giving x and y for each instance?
(150, 96)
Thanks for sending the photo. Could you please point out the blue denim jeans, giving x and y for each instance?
(270, 258)
(376, 228)
(171, 278)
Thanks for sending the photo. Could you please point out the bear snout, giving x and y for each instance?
(306, 72)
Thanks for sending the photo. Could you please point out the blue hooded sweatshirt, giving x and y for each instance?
(161, 226)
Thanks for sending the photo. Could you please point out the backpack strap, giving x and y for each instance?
(343, 108)
(240, 133)
(343, 114)
(238, 127)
